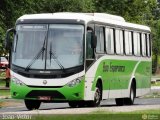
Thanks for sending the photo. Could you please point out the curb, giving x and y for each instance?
(155, 88)
(5, 97)
(4, 88)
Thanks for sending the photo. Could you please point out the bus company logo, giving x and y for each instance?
(144, 117)
(150, 117)
(44, 82)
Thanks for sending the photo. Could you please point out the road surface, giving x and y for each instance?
(63, 108)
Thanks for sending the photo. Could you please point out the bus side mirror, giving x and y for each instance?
(93, 40)
(8, 38)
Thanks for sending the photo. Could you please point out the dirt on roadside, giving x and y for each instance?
(9, 103)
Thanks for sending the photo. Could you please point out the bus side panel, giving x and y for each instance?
(143, 78)
(116, 75)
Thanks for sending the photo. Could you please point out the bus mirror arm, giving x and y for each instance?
(7, 41)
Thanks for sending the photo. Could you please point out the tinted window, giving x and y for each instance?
(136, 41)
(143, 44)
(128, 43)
(99, 31)
(148, 45)
(119, 41)
(110, 40)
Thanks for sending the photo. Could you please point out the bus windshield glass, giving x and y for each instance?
(48, 46)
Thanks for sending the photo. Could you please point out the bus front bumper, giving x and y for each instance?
(64, 93)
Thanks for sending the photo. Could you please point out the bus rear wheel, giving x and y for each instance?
(32, 104)
(130, 100)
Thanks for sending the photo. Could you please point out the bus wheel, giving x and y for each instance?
(73, 104)
(97, 97)
(32, 104)
(130, 100)
(119, 101)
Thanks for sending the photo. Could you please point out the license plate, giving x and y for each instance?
(44, 98)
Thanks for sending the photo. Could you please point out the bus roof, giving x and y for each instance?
(87, 17)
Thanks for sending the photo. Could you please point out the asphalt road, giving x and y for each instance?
(140, 102)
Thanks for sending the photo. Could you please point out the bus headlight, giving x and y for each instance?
(75, 82)
(17, 81)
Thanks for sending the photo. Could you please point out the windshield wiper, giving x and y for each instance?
(52, 55)
(37, 55)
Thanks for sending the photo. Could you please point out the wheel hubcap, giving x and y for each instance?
(132, 95)
(97, 95)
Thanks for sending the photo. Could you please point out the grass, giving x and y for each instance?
(152, 95)
(2, 74)
(150, 111)
(156, 83)
(103, 115)
(97, 115)
(4, 92)
(156, 95)
(87, 117)
(2, 83)
(2, 77)
(153, 114)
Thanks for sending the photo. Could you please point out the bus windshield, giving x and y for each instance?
(48, 46)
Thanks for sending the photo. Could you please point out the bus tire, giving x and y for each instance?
(119, 101)
(32, 104)
(73, 104)
(97, 97)
(130, 100)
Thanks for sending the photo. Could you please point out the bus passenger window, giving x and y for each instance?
(136, 37)
(110, 41)
(144, 44)
(99, 31)
(148, 45)
(119, 42)
(128, 43)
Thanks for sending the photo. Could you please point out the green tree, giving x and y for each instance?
(145, 12)
(10, 10)
(43, 6)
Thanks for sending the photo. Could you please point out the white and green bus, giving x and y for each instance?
(79, 58)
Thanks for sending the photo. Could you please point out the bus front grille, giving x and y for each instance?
(51, 93)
